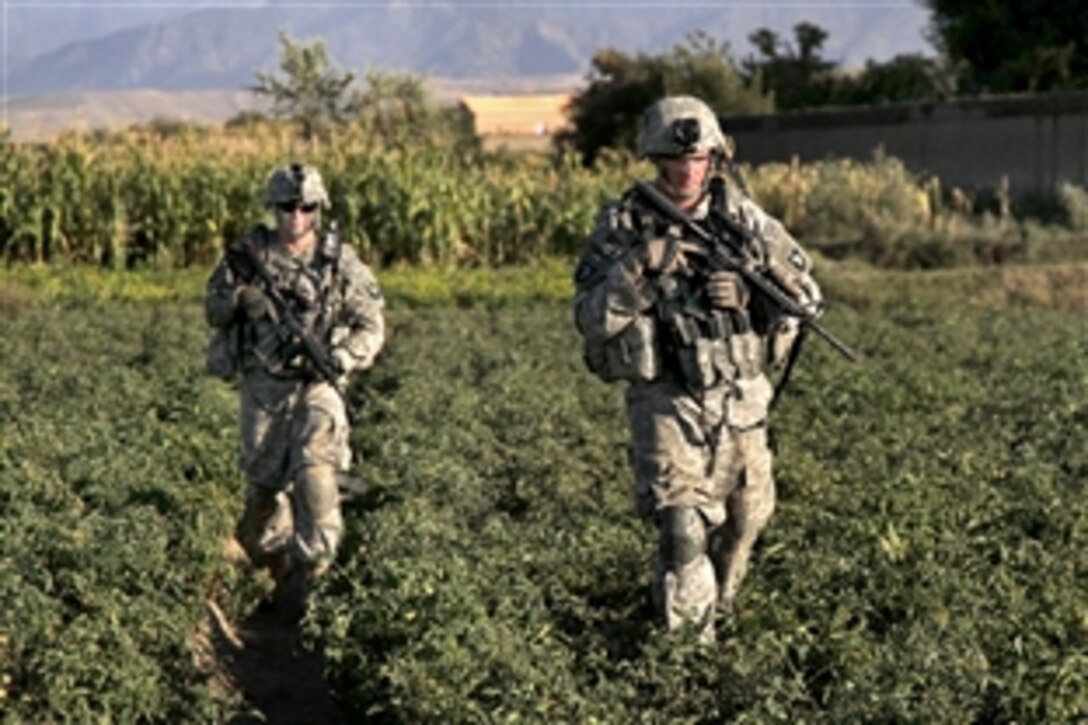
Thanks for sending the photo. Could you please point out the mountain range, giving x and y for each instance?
(82, 45)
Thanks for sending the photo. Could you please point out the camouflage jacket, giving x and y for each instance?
(622, 312)
(339, 301)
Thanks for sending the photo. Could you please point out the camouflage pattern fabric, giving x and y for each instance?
(691, 447)
(296, 182)
(294, 428)
(657, 137)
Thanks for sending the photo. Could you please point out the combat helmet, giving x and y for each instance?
(296, 182)
(678, 125)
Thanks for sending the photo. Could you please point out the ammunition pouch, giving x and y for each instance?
(704, 364)
(750, 402)
(631, 355)
(699, 349)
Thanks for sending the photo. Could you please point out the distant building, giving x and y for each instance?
(517, 121)
(1030, 141)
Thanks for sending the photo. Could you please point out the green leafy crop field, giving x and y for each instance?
(925, 564)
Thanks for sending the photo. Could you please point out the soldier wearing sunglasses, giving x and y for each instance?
(293, 422)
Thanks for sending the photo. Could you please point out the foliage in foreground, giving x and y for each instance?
(925, 563)
(115, 493)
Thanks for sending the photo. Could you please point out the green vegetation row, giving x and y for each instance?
(141, 199)
(925, 564)
(116, 490)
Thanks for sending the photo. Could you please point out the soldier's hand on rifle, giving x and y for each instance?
(726, 290)
(238, 258)
(254, 304)
(666, 256)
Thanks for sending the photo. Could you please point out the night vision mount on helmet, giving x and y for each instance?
(296, 182)
(678, 125)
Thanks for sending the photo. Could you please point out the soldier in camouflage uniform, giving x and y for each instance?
(695, 345)
(294, 425)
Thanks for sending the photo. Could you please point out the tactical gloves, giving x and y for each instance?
(661, 255)
(254, 304)
(725, 290)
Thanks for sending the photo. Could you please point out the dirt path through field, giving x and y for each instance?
(262, 659)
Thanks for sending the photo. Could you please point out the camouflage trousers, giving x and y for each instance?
(686, 454)
(294, 447)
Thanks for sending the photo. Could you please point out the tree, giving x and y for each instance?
(1014, 45)
(798, 77)
(395, 110)
(310, 91)
(606, 114)
(907, 77)
(621, 87)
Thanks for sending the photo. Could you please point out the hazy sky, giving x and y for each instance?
(32, 27)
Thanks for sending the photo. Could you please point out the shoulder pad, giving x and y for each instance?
(612, 234)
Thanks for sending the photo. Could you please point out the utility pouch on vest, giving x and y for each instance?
(704, 363)
(630, 355)
(698, 349)
(223, 356)
(748, 353)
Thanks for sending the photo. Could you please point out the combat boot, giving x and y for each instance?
(292, 593)
(279, 566)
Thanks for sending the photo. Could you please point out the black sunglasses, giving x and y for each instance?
(289, 207)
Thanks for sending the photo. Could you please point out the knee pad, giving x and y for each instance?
(318, 522)
(266, 524)
(683, 536)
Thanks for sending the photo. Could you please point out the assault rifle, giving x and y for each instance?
(247, 265)
(723, 253)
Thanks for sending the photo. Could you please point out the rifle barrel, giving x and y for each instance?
(314, 351)
(660, 202)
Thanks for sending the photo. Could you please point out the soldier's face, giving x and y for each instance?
(685, 177)
(296, 220)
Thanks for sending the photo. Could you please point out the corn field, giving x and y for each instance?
(141, 198)
(132, 198)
